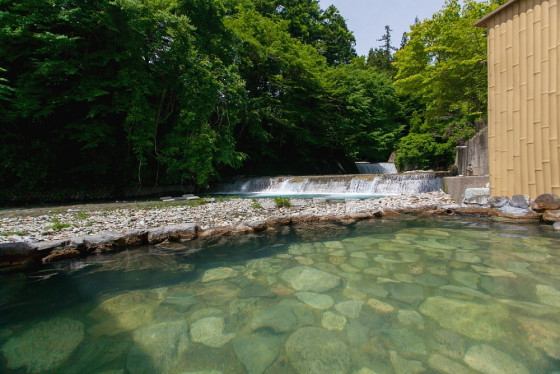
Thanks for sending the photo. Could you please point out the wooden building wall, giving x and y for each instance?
(524, 98)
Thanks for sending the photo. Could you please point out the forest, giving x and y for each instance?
(108, 95)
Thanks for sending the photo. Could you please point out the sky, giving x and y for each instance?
(367, 18)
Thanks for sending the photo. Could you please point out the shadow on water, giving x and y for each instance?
(75, 289)
(137, 306)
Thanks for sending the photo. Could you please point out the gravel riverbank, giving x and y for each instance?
(43, 225)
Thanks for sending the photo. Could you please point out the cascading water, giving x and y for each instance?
(342, 186)
(378, 168)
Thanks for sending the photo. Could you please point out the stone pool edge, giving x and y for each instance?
(21, 255)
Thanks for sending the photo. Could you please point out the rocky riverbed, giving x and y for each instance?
(34, 236)
(64, 223)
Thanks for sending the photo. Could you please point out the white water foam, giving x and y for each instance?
(380, 185)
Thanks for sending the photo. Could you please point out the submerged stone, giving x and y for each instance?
(548, 295)
(333, 321)
(315, 300)
(313, 350)
(453, 290)
(304, 260)
(408, 293)
(359, 263)
(285, 316)
(255, 290)
(466, 278)
(448, 343)
(380, 306)
(409, 257)
(337, 260)
(45, 346)
(346, 268)
(447, 366)
(430, 280)
(305, 278)
(256, 352)
(357, 334)
(501, 286)
(407, 278)
(205, 312)
(180, 300)
(218, 274)
(333, 245)
(157, 348)
(217, 292)
(210, 331)
(96, 353)
(349, 308)
(125, 312)
(530, 308)
(477, 321)
(353, 293)
(467, 257)
(404, 366)
(493, 272)
(376, 271)
(406, 341)
(487, 359)
(411, 318)
(543, 334)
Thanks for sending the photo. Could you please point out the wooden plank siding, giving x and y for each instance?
(524, 98)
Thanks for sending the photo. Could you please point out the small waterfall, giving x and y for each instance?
(379, 168)
(407, 184)
(344, 185)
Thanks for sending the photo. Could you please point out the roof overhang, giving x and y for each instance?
(483, 22)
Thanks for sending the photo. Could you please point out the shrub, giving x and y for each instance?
(282, 202)
(422, 151)
(458, 133)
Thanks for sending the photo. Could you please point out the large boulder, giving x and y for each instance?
(487, 359)
(520, 201)
(305, 278)
(477, 321)
(210, 331)
(157, 348)
(551, 216)
(125, 312)
(498, 201)
(543, 334)
(256, 352)
(313, 350)
(45, 346)
(285, 316)
(546, 201)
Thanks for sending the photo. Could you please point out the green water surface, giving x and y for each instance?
(410, 296)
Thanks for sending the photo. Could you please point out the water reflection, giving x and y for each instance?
(373, 297)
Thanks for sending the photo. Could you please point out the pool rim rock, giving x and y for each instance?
(25, 255)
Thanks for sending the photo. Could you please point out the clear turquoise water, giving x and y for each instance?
(373, 297)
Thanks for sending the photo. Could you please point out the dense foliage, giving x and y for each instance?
(442, 76)
(119, 94)
(125, 93)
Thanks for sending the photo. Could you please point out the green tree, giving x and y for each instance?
(102, 90)
(362, 110)
(442, 73)
(382, 57)
(444, 62)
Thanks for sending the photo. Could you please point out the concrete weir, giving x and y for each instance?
(353, 184)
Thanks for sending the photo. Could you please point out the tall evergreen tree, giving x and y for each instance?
(382, 57)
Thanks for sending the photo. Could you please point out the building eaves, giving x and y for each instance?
(484, 20)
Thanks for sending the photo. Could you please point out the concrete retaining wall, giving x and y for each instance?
(473, 160)
(456, 186)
